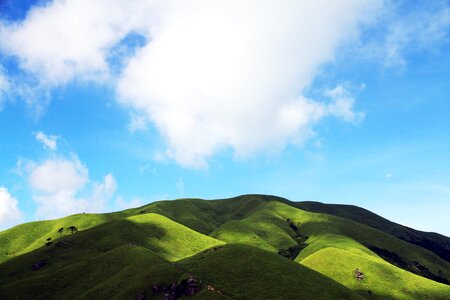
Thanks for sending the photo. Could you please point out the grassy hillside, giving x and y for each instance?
(245, 272)
(436, 243)
(247, 247)
(115, 274)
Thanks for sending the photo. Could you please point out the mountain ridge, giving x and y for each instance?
(177, 232)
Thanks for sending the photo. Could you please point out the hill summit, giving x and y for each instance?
(247, 247)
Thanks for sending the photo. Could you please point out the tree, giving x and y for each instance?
(73, 229)
(60, 231)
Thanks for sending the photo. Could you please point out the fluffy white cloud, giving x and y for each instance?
(58, 174)
(68, 38)
(60, 187)
(9, 211)
(212, 75)
(48, 141)
(220, 75)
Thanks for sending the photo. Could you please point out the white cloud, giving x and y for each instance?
(68, 38)
(227, 75)
(60, 186)
(58, 174)
(48, 141)
(212, 76)
(9, 211)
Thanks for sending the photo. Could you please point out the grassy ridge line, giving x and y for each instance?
(267, 228)
(251, 217)
(205, 216)
(157, 233)
(26, 237)
(437, 243)
(193, 213)
(101, 256)
(338, 256)
(174, 241)
(262, 228)
(319, 224)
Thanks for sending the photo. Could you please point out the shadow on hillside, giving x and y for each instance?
(83, 245)
(245, 272)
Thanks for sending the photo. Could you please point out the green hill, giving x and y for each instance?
(247, 247)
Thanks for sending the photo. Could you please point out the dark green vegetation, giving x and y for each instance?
(248, 247)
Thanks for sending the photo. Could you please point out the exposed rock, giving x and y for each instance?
(187, 287)
(359, 275)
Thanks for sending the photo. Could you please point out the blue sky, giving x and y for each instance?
(115, 104)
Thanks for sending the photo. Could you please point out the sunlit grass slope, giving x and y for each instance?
(338, 257)
(330, 235)
(29, 236)
(436, 243)
(314, 224)
(245, 272)
(267, 228)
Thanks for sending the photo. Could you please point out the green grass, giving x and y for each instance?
(436, 243)
(315, 224)
(245, 272)
(173, 241)
(243, 235)
(381, 280)
(117, 274)
(29, 236)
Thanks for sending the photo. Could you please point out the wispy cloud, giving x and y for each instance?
(404, 31)
(48, 141)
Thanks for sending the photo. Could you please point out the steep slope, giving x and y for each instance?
(278, 227)
(436, 243)
(106, 256)
(29, 236)
(115, 274)
(245, 272)
(338, 257)
(205, 216)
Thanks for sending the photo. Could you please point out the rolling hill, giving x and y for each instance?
(247, 247)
